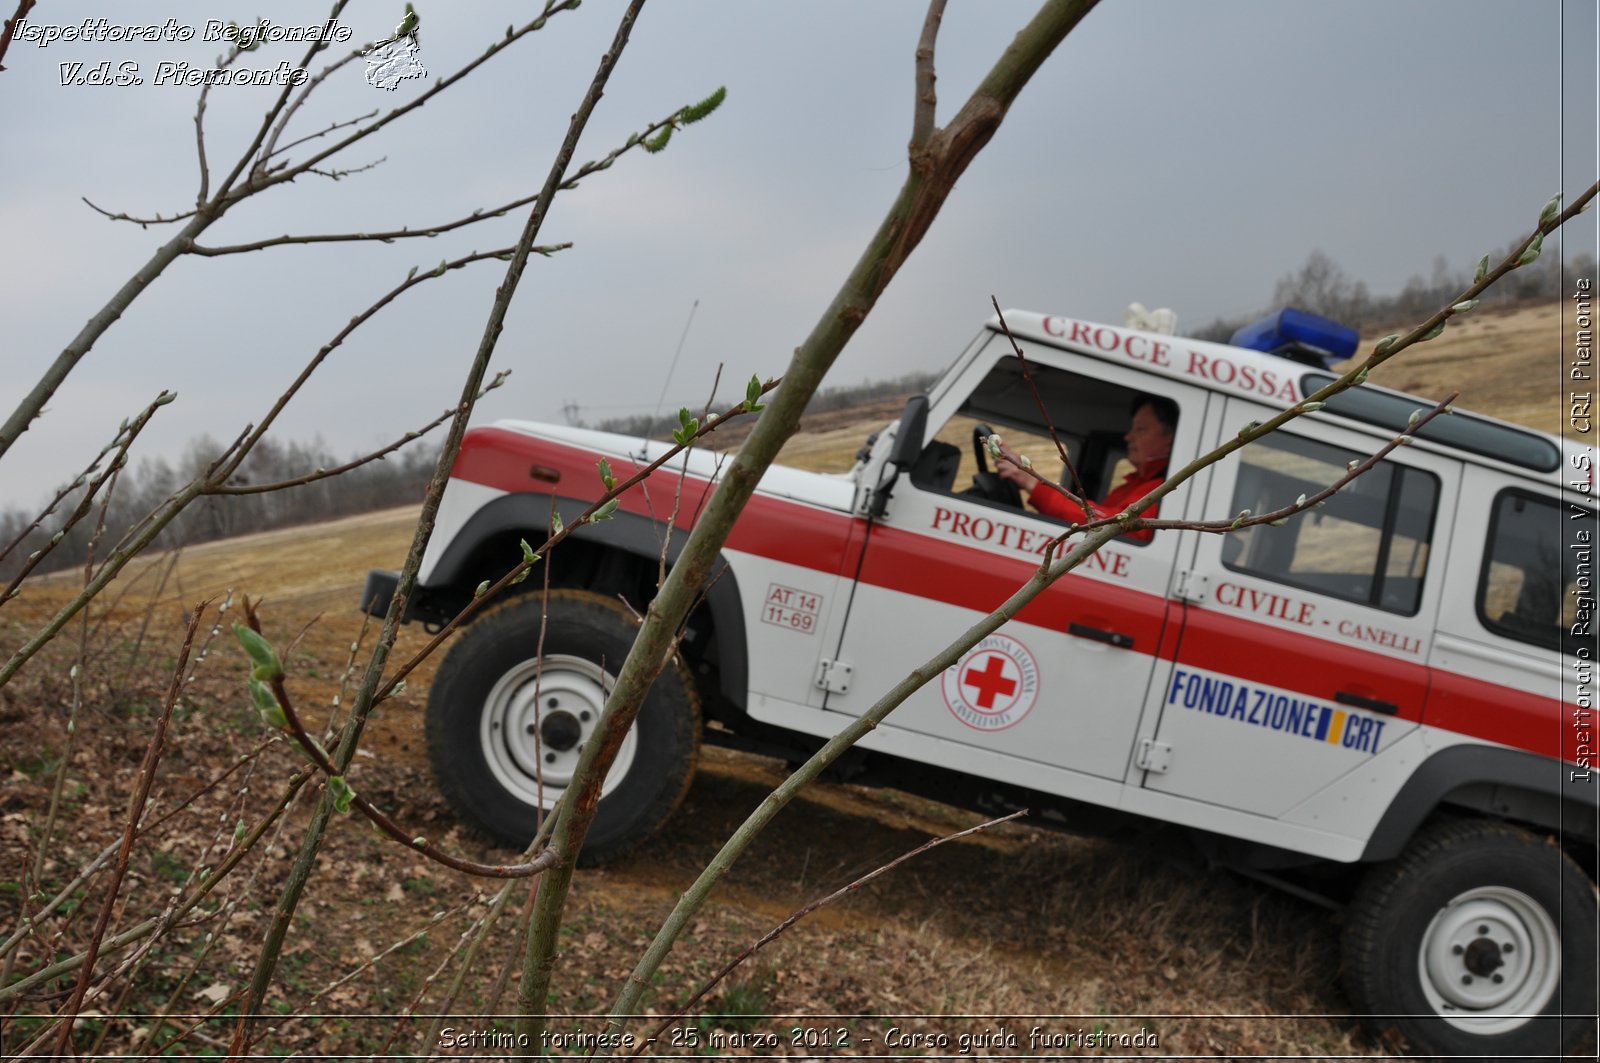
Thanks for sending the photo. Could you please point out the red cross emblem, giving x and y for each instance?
(991, 682)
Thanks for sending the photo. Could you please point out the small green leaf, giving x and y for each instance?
(690, 427)
(752, 395)
(1249, 426)
(480, 589)
(1311, 407)
(267, 706)
(260, 651)
(1386, 344)
(694, 112)
(1482, 271)
(1360, 377)
(239, 831)
(555, 523)
(342, 794)
(1550, 208)
(605, 475)
(1465, 305)
(659, 141)
(1433, 333)
(529, 558)
(1238, 522)
(1533, 250)
(605, 511)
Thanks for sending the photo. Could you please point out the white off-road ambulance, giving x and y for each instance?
(1387, 700)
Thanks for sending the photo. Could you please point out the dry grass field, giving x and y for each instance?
(1018, 922)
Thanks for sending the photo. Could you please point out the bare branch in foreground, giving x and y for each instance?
(23, 7)
(925, 113)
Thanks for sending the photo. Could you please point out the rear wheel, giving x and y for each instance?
(506, 729)
(1478, 940)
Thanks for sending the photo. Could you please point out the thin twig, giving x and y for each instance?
(1082, 495)
(772, 935)
(440, 85)
(354, 463)
(158, 925)
(147, 777)
(124, 439)
(319, 758)
(143, 223)
(23, 7)
(924, 114)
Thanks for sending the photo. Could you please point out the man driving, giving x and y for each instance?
(1149, 440)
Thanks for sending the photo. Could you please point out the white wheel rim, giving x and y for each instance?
(527, 739)
(1490, 960)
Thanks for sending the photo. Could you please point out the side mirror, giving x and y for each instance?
(908, 437)
(907, 448)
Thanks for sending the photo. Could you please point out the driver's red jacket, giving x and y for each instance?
(1133, 487)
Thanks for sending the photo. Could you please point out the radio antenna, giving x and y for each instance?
(667, 383)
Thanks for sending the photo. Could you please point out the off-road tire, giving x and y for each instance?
(1467, 902)
(482, 714)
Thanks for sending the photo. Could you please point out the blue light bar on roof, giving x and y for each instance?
(1301, 337)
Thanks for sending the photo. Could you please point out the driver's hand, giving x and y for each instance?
(1009, 468)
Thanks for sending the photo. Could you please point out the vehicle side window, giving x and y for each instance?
(1368, 543)
(1091, 418)
(1523, 592)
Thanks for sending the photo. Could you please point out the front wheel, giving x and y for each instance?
(1478, 940)
(506, 728)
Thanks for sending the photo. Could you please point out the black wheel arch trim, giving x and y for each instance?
(628, 532)
(1506, 783)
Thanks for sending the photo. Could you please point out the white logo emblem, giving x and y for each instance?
(392, 62)
(994, 686)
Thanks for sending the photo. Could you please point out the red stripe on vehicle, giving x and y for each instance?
(941, 570)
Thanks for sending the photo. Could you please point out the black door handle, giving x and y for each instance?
(1114, 638)
(1358, 701)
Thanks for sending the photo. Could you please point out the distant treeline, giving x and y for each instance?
(399, 479)
(1321, 287)
(646, 425)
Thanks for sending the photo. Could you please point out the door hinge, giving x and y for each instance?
(1154, 757)
(1191, 586)
(834, 676)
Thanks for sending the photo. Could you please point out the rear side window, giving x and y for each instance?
(1524, 593)
(1367, 544)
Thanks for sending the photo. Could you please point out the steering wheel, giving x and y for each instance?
(987, 484)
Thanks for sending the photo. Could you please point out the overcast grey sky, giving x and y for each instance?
(1179, 154)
